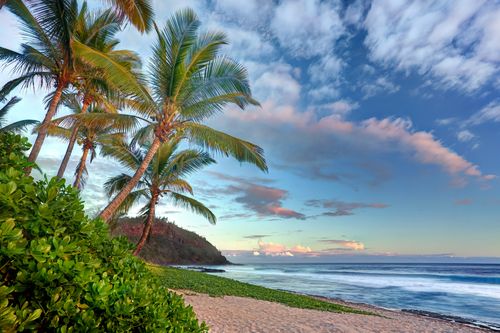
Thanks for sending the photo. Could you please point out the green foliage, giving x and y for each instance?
(183, 279)
(61, 272)
(12, 148)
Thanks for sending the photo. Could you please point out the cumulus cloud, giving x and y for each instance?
(455, 43)
(342, 208)
(276, 249)
(343, 245)
(307, 28)
(264, 200)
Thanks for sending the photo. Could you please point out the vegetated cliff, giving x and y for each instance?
(170, 244)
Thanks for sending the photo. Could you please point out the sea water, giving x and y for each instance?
(470, 291)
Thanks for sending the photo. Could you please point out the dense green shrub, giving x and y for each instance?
(61, 272)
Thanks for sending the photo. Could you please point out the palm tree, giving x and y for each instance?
(190, 81)
(164, 178)
(16, 126)
(48, 57)
(97, 31)
(94, 129)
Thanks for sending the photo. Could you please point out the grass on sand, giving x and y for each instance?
(182, 279)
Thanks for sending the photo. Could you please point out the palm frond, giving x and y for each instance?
(7, 106)
(222, 143)
(193, 205)
(171, 50)
(121, 152)
(19, 125)
(138, 12)
(115, 72)
(179, 185)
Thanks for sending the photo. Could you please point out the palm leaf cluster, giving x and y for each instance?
(139, 118)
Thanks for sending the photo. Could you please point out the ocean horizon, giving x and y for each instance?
(468, 291)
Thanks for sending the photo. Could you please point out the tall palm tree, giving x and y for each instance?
(98, 31)
(190, 81)
(48, 57)
(15, 126)
(94, 129)
(164, 178)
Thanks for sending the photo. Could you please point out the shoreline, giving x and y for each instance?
(470, 322)
(490, 327)
(242, 314)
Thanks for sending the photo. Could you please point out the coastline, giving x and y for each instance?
(489, 327)
(241, 314)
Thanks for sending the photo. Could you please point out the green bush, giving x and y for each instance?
(61, 272)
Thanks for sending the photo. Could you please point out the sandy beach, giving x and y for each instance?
(237, 314)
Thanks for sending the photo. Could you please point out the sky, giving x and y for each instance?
(379, 121)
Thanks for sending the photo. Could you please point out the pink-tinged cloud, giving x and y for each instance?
(258, 198)
(425, 148)
(343, 245)
(303, 131)
(463, 202)
(276, 249)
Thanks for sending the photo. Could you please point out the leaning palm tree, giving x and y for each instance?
(48, 57)
(95, 129)
(15, 126)
(164, 178)
(97, 30)
(190, 81)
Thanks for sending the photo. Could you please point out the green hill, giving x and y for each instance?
(170, 244)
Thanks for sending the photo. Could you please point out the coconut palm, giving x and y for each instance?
(16, 126)
(164, 178)
(94, 129)
(47, 58)
(98, 31)
(190, 81)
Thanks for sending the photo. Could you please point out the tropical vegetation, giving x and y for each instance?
(139, 118)
(164, 178)
(61, 272)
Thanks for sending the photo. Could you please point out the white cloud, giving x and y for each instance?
(490, 113)
(454, 42)
(307, 28)
(465, 135)
(380, 85)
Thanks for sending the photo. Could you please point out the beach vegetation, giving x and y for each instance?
(217, 286)
(61, 272)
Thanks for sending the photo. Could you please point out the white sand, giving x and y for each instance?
(239, 315)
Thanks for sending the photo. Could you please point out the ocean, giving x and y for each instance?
(470, 291)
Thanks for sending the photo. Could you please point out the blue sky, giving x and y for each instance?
(379, 121)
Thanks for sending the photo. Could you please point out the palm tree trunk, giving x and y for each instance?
(147, 227)
(81, 167)
(71, 145)
(116, 202)
(42, 132)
